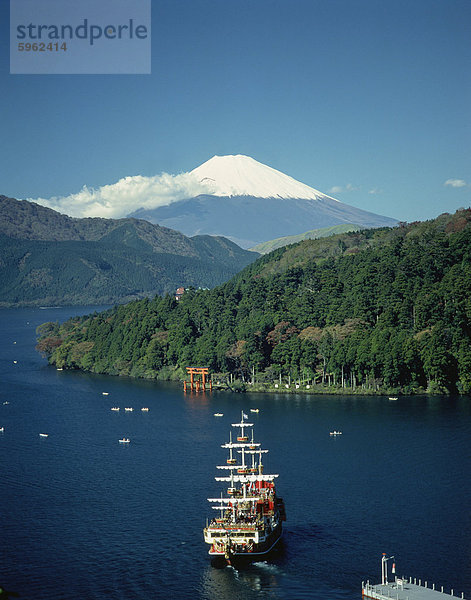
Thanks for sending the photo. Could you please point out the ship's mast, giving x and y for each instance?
(252, 447)
(222, 507)
(242, 437)
(249, 480)
(231, 460)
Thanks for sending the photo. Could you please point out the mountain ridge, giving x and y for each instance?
(313, 234)
(251, 203)
(50, 258)
(249, 221)
(233, 196)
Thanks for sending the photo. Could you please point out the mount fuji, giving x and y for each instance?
(249, 203)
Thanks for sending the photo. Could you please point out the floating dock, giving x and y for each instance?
(404, 589)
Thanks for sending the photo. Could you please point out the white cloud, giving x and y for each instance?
(456, 183)
(375, 191)
(339, 189)
(126, 195)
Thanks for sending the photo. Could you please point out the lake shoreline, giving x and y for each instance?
(175, 375)
(333, 391)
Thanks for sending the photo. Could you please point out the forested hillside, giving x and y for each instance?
(47, 258)
(376, 310)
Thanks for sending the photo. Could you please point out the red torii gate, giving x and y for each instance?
(198, 384)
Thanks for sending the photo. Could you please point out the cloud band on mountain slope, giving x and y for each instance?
(126, 195)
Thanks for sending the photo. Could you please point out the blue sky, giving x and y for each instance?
(368, 100)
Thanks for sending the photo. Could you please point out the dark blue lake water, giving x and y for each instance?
(83, 516)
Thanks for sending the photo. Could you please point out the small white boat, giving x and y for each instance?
(6, 402)
(124, 441)
(255, 410)
(145, 409)
(129, 409)
(2, 429)
(15, 362)
(115, 408)
(43, 435)
(105, 393)
(59, 369)
(392, 398)
(218, 414)
(335, 432)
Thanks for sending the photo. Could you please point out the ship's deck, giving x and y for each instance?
(406, 591)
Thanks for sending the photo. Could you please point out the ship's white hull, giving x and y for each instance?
(230, 554)
(239, 558)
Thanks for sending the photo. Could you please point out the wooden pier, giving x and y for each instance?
(198, 381)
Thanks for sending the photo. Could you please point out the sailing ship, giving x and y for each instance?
(249, 525)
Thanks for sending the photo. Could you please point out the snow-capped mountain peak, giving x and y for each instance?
(239, 175)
